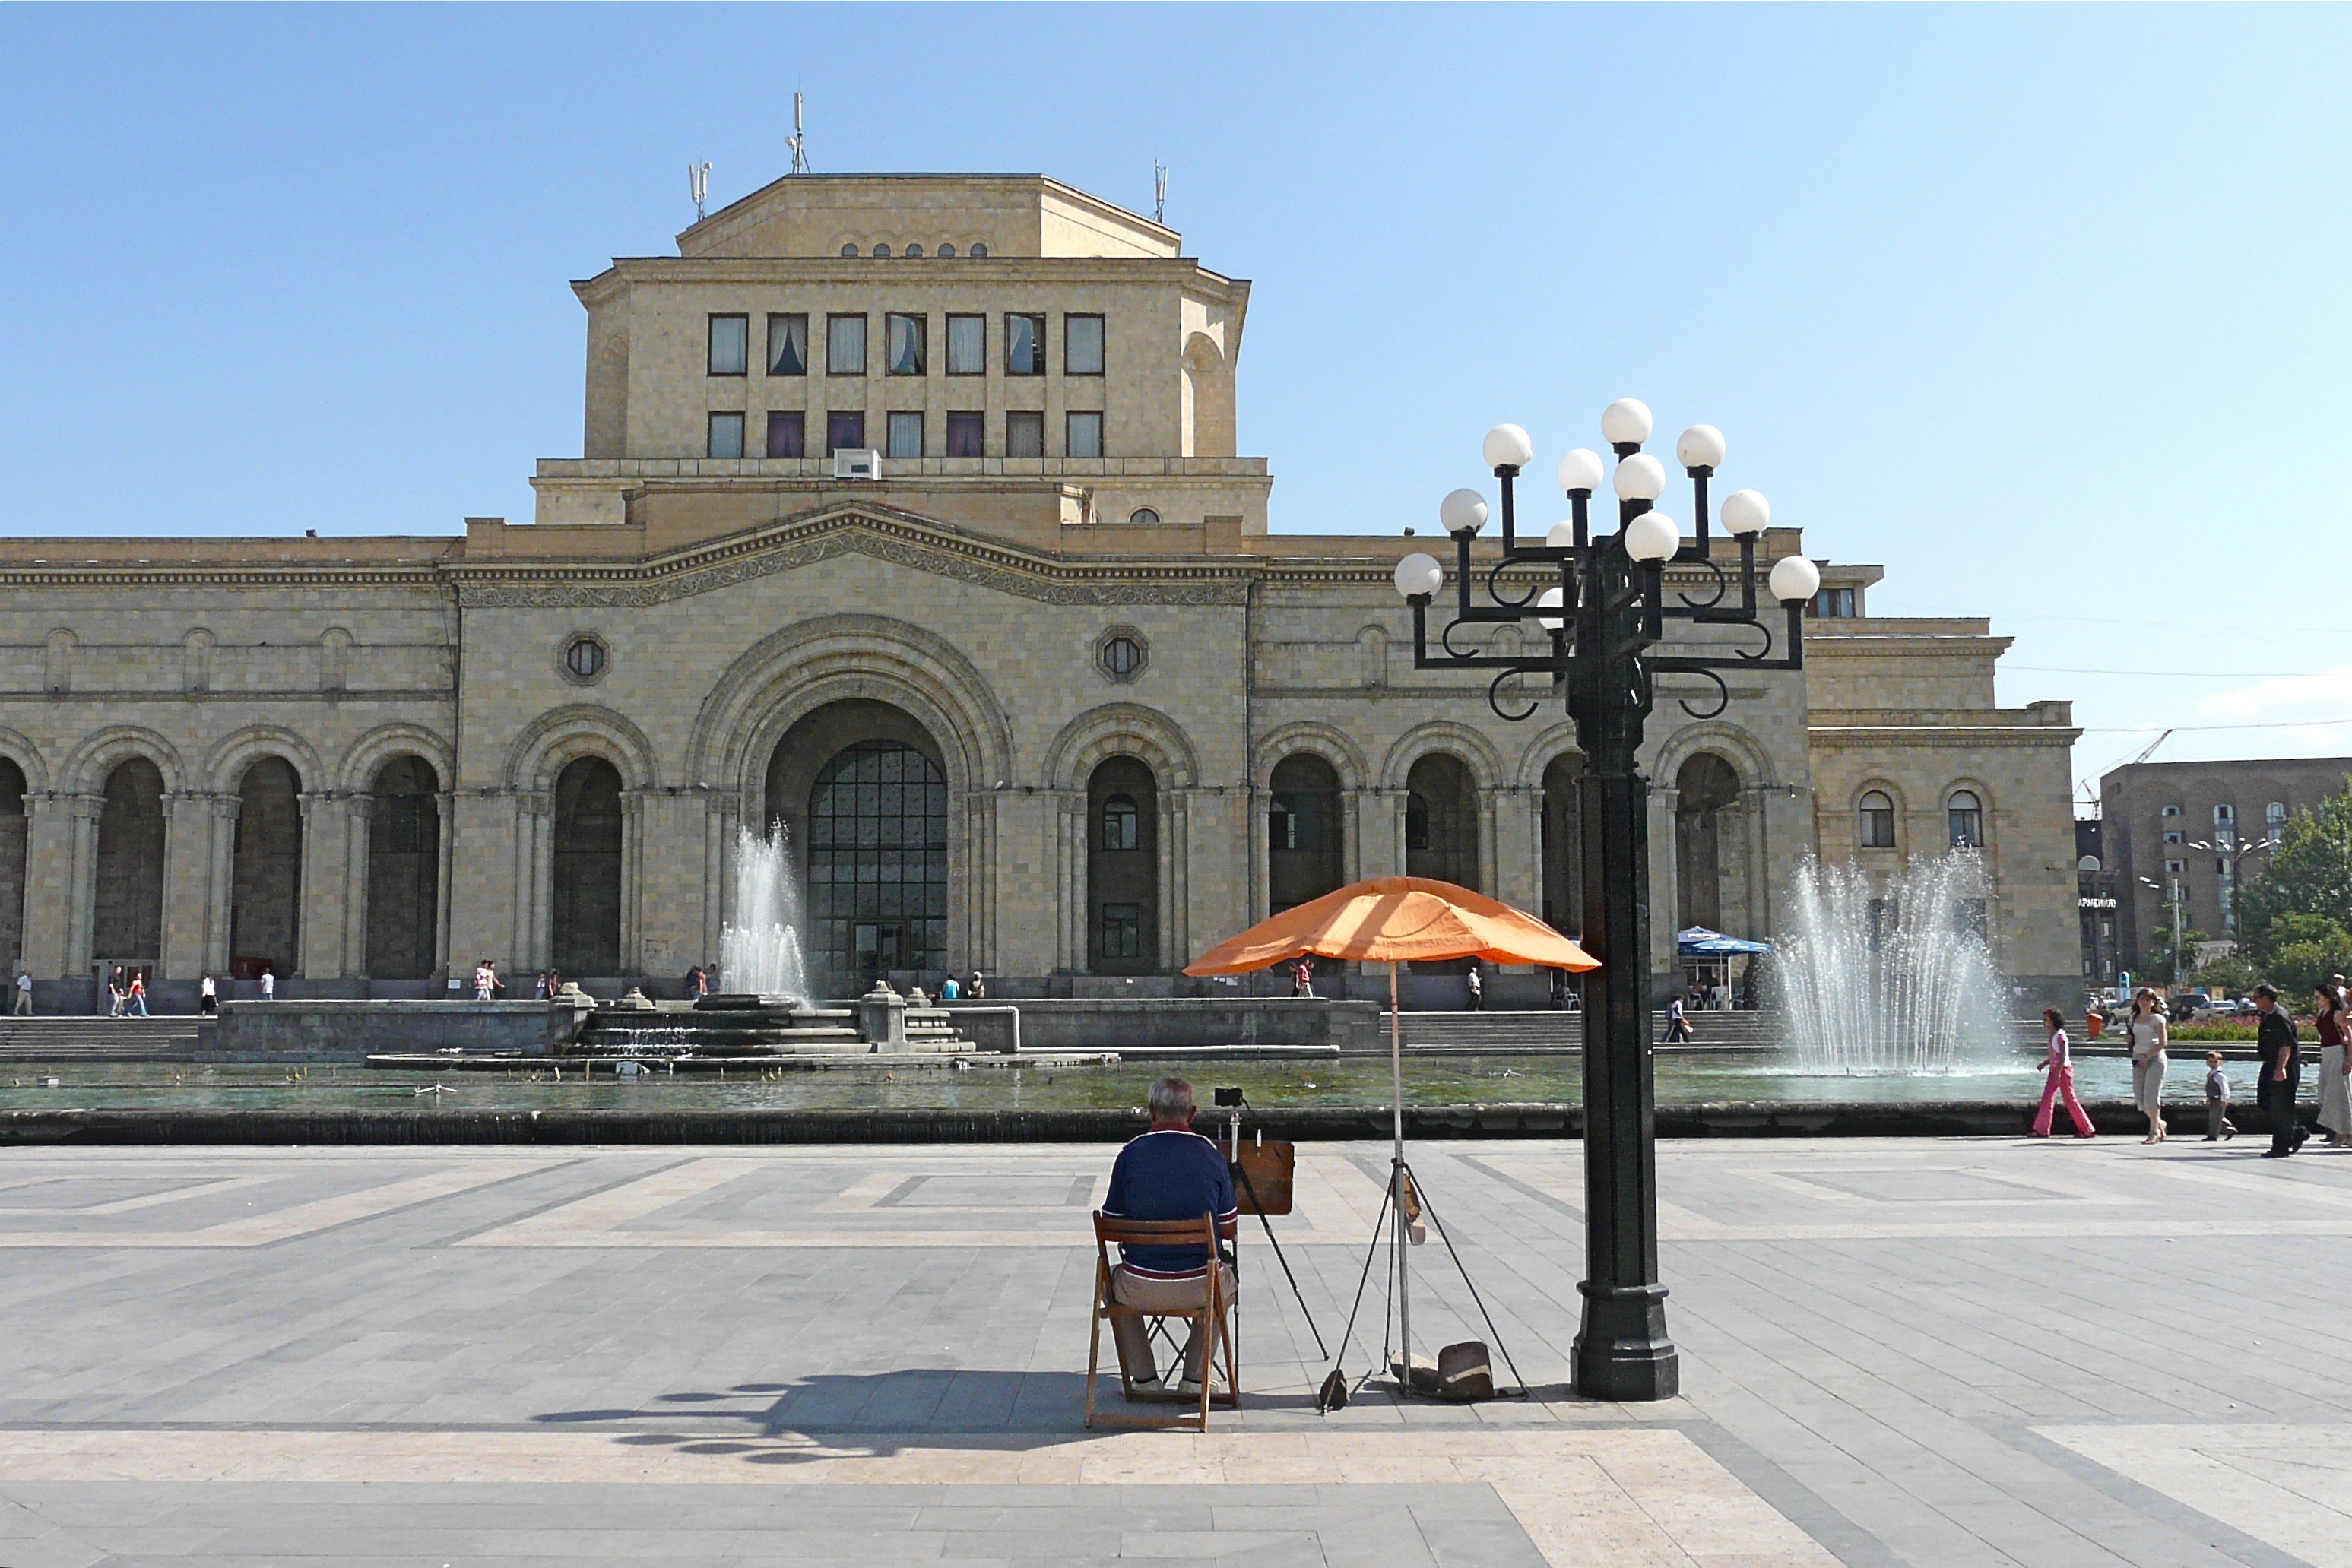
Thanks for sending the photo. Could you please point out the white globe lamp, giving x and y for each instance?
(1418, 575)
(1701, 447)
(1463, 512)
(1507, 446)
(1745, 514)
(1651, 537)
(1794, 579)
(1625, 422)
(1641, 478)
(1581, 470)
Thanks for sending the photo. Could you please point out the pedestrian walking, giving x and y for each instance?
(2217, 1100)
(1477, 989)
(2060, 1081)
(24, 994)
(2280, 1074)
(268, 984)
(542, 989)
(498, 982)
(1302, 976)
(114, 992)
(207, 995)
(2334, 1102)
(482, 977)
(1678, 1029)
(2150, 1034)
(697, 982)
(136, 1002)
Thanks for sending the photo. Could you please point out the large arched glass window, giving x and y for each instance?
(1964, 815)
(877, 863)
(1877, 820)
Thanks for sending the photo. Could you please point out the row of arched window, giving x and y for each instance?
(1963, 820)
(265, 884)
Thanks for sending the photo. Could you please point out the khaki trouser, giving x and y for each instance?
(1160, 1296)
(23, 1003)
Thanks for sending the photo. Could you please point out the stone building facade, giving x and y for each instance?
(1035, 691)
(2185, 831)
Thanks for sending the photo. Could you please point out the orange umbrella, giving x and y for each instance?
(1392, 919)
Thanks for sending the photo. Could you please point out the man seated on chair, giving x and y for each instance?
(1169, 1173)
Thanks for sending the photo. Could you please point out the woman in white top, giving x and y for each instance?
(2061, 1081)
(2151, 1032)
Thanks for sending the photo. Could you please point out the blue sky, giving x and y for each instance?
(2041, 308)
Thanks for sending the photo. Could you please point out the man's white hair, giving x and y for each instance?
(1170, 1100)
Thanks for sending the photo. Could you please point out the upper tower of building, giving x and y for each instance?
(1026, 358)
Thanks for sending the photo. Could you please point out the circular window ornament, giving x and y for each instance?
(1144, 517)
(584, 659)
(1120, 653)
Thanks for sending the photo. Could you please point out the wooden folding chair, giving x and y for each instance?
(1216, 1317)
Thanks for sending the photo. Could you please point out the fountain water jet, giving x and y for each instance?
(760, 949)
(1894, 978)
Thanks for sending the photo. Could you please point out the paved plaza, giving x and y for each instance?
(1917, 1351)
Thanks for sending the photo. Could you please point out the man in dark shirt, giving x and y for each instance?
(1169, 1173)
(2279, 1076)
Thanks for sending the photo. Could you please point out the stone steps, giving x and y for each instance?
(88, 1038)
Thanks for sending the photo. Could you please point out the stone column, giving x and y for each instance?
(444, 884)
(1351, 857)
(633, 882)
(1517, 876)
(221, 832)
(541, 905)
(358, 814)
(319, 918)
(81, 888)
(1163, 885)
(49, 887)
(1665, 879)
(1177, 914)
(189, 885)
(1070, 857)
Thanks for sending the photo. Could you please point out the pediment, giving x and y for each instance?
(883, 533)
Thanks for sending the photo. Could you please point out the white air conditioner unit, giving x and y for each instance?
(858, 462)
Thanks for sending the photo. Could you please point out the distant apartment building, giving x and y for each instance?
(2187, 830)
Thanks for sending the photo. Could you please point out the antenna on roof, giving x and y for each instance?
(1159, 193)
(797, 139)
(697, 185)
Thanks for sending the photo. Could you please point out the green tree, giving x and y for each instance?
(2301, 950)
(2310, 873)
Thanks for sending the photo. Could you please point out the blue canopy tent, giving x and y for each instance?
(1708, 954)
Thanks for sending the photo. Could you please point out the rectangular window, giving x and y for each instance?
(730, 340)
(1082, 345)
(1833, 603)
(967, 345)
(2176, 838)
(1878, 827)
(726, 439)
(1973, 916)
(844, 431)
(845, 345)
(2176, 868)
(787, 433)
(1024, 435)
(1122, 929)
(1024, 345)
(906, 436)
(788, 344)
(1085, 433)
(967, 435)
(907, 344)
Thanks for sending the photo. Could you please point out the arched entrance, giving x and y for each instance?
(585, 917)
(1122, 868)
(403, 886)
(127, 910)
(13, 838)
(1563, 844)
(264, 900)
(1305, 833)
(1441, 821)
(1710, 846)
(861, 787)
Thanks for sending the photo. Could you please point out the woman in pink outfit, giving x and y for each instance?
(2060, 1069)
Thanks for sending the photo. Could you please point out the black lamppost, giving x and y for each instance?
(1601, 620)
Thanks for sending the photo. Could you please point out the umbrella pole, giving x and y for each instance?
(1396, 1181)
